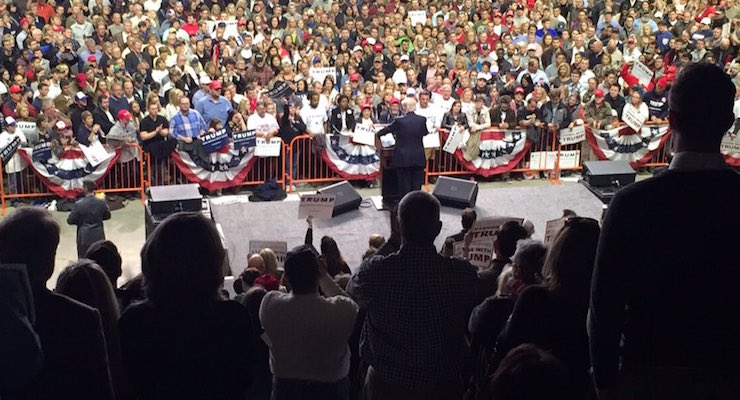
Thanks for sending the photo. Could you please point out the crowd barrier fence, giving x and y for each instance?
(299, 162)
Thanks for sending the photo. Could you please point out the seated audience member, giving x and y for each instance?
(663, 319)
(255, 261)
(488, 318)
(504, 247)
(375, 242)
(428, 322)
(20, 349)
(528, 373)
(553, 316)
(261, 388)
(86, 282)
(467, 220)
(75, 364)
(308, 333)
(106, 255)
(270, 261)
(184, 341)
(244, 282)
(329, 252)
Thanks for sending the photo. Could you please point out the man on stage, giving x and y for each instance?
(408, 154)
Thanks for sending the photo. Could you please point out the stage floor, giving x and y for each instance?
(242, 221)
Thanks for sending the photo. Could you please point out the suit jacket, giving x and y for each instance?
(671, 292)
(409, 131)
(88, 214)
(510, 117)
(101, 119)
(336, 120)
(75, 360)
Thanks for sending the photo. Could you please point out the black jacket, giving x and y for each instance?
(88, 214)
(409, 131)
(101, 119)
(510, 117)
(289, 130)
(335, 120)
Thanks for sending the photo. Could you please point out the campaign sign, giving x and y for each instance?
(573, 135)
(263, 148)
(642, 72)
(8, 151)
(418, 17)
(41, 152)
(364, 134)
(280, 90)
(95, 153)
(316, 205)
(481, 237)
(454, 139)
(244, 140)
(213, 141)
(319, 74)
(280, 248)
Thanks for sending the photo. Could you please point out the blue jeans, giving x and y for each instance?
(297, 389)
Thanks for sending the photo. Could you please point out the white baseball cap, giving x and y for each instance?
(204, 78)
(10, 120)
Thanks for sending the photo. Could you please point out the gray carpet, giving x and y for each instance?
(243, 221)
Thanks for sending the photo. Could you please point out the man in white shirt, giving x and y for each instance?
(307, 333)
(16, 164)
(315, 117)
(431, 112)
(264, 124)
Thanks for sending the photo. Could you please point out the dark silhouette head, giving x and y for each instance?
(302, 269)
(528, 372)
(468, 218)
(86, 282)
(30, 236)
(569, 264)
(106, 255)
(506, 238)
(418, 218)
(182, 261)
(88, 186)
(701, 102)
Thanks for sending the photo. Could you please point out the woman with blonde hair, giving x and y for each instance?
(270, 261)
(173, 102)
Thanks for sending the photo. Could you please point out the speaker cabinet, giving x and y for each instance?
(346, 197)
(165, 200)
(454, 192)
(605, 178)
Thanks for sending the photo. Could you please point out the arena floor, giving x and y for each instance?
(241, 221)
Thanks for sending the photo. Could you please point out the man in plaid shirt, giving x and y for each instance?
(417, 304)
(187, 124)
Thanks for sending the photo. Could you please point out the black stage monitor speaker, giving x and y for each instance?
(346, 197)
(608, 173)
(605, 178)
(165, 200)
(454, 192)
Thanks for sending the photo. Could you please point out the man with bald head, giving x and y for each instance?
(408, 154)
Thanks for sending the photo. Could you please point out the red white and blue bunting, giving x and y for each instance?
(731, 149)
(64, 174)
(350, 160)
(500, 152)
(221, 169)
(624, 144)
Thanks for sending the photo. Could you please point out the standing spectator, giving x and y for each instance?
(184, 341)
(637, 106)
(103, 115)
(479, 118)
(187, 124)
(75, 364)
(665, 344)
(265, 124)
(154, 132)
(214, 106)
(16, 164)
(88, 214)
(615, 99)
(553, 316)
(503, 247)
(308, 333)
(555, 113)
(598, 112)
(414, 340)
(657, 102)
(123, 134)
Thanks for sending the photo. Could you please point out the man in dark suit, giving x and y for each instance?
(75, 362)
(88, 214)
(663, 320)
(408, 153)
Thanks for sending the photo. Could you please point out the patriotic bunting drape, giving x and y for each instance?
(625, 144)
(500, 152)
(218, 170)
(350, 160)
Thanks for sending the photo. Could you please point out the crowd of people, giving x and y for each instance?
(597, 313)
(594, 314)
(161, 73)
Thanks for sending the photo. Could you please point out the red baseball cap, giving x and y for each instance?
(215, 85)
(24, 21)
(91, 58)
(599, 93)
(519, 89)
(378, 47)
(395, 101)
(15, 89)
(663, 82)
(124, 114)
(355, 77)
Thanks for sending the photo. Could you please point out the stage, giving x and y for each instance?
(242, 221)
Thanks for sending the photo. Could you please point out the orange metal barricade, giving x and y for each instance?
(306, 167)
(166, 172)
(122, 178)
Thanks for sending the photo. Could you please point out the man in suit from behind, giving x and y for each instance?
(408, 154)
(75, 361)
(663, 321)
(88, 214)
